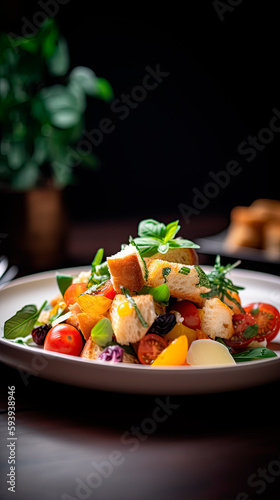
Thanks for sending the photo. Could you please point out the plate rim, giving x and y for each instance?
(46, 275)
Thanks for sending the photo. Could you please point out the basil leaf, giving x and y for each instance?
(182, 243)
(102, 332)
(156, 237)
(163, 248)
(185, 270)
(134, 305)
(151, 227)
(147, 246)
(250, 331)
(63, 282)
(254, 354)
(22, 323)
(165, 272)
(171, 230)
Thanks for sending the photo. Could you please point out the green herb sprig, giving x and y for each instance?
(221, 285)
(154, 237)
(99, 271)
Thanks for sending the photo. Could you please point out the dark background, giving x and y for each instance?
(222, 86)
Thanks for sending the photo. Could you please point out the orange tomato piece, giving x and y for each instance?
(174, 354)
(228, 302)
(87, 322)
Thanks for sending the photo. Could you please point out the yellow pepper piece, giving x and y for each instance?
(180, 329)
(174, 354)
(94, 304)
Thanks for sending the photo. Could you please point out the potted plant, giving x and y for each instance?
(42, 115)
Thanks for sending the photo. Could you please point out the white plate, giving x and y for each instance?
(127, 377)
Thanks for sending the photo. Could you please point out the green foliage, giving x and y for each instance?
(42, 108)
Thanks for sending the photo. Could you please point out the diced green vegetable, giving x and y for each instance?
(185, 270)
(160, 293)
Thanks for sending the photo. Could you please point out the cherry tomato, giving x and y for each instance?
(150, 347)
(107, 290)
(189, 312)
(65, 339)
(73, 291)
(267, 318)
(241, 321)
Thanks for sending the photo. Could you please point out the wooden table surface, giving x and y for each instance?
(80, 444)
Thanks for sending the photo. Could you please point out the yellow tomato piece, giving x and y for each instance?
(180, 329)
(94, 304)
(174, 354)
(125, 309)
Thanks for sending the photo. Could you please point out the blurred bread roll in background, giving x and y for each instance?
(256, 226)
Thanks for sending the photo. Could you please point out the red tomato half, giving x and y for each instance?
(65, 339)
(150, 347)
(189, 312)
(73, 291)
(241, 322)
(268, 319)
(107, 290)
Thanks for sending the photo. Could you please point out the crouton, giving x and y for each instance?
(128, 328)
(91, 350)
(186, 256)
(127, 269)
(181, 285)
(217, 319)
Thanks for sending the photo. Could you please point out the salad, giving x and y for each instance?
(151, 304)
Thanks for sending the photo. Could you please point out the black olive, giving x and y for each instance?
(163, 324)
(39, 333)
